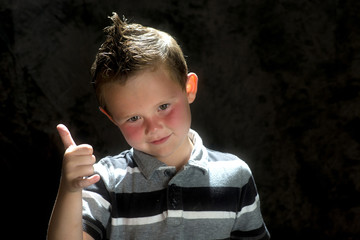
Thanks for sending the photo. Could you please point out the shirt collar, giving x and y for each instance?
(199, 154)
(147, 164)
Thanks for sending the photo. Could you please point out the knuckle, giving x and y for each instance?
(90, 170)
(80, 184)
(85, 182)
(84, 171)
(69, 150)
(67, 163)
(86, 148)
(93, 159)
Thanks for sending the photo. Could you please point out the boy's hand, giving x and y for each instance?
(77, 164)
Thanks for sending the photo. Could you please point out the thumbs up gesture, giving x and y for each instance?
(77, 167)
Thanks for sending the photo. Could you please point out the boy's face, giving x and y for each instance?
(153, 113)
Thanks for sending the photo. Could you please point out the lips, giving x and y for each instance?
(160, 140)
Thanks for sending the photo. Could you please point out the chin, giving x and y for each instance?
(162, 154)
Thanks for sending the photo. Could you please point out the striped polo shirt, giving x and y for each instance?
(138, 197)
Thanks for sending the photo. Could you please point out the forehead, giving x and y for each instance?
(147, 88)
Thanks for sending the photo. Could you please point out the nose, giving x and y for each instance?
(153, 125)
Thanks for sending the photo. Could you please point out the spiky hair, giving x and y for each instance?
(131, 48)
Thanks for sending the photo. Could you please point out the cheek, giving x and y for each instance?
(132, 134)
(179, 116)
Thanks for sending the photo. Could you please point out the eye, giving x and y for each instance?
(164, 107)
(133, 119)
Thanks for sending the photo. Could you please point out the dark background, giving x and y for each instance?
(279, 87)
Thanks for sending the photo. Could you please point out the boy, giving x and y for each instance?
(168, 186)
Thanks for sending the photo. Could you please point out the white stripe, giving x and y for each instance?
(173, 214)
(132, 170)
(249, 208)
(120, 171)
(209, 215)
(139, 221)
(96, 197)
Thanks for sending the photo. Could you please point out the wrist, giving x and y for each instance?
(65, 188)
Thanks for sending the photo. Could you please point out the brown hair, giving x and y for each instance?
(130, 48)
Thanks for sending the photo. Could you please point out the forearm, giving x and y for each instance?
(66, 218)
(77, 173)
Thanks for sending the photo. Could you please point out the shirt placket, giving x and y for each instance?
(175, 205)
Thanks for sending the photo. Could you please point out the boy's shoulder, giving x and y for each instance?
(122, 160)
(114, 168)
(226, 161)
(214, 156)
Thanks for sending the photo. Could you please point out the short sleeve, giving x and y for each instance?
(96, 207)
(249, 223)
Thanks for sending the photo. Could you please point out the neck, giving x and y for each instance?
(181, 156)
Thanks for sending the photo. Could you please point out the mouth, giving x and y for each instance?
(161, 140)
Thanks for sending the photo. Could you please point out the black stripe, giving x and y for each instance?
(129, 205)
(248, 194)
(88, 224)
(259, 232)
(175, 198)
(210, 199)
(100, 188)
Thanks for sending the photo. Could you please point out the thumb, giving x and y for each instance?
(65, 136)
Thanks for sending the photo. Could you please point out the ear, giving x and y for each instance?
(191, 86)
(107, 114)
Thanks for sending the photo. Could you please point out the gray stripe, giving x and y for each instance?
(233, 173)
